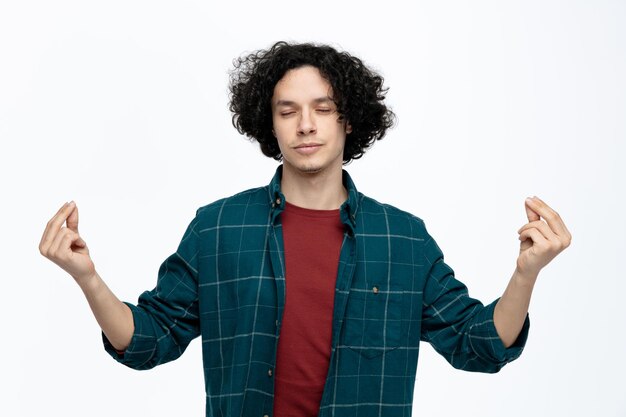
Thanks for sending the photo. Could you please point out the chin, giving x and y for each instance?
(310, 169)
(306, 167)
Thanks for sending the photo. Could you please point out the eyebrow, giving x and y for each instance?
(293, 103)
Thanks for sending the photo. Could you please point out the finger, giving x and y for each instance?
(534, 235)
(61, 248)
(53, 227)
(57, 250)
(46, 237)
(72, 220)
(75, 241)
(552, 217)
(530, 213)
(79, 242)
(543, 228)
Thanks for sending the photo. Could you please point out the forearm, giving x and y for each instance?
(511, 310)
(113, 316)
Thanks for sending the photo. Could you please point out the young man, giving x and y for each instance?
(311, 298)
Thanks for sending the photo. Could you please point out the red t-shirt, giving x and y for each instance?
(312, 240)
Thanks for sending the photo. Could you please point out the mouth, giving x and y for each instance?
(307, 148)
(308, 145)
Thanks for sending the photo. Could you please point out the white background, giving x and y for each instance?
(122, 107)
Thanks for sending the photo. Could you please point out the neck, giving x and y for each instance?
(318, 191)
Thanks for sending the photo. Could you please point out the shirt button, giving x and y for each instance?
(278, 201)
(269, 372)
(266, 415)
(375, 290)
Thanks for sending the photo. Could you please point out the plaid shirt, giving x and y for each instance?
(226, 282)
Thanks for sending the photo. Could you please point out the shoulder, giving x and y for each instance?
(235, 208)
(394, 219)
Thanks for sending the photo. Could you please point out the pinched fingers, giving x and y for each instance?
(543, 237)
(53, 226)
(552, 217)
(535, 235)
(542, 227)
(60, 248)
(70, 253)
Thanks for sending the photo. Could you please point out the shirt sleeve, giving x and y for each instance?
(165, 318)
(459, 327)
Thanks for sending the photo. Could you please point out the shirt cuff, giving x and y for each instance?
(141, 348)
(495, 350)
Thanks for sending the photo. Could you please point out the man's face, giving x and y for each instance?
(310, 135)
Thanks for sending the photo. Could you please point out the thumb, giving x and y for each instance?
(530, 213)
(72, 224)
(72, 219)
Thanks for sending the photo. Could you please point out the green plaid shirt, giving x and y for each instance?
(226, 283)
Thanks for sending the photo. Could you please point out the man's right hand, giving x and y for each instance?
(64, 246)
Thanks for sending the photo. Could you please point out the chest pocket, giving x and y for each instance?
(373, 321)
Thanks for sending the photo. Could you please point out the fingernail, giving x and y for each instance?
(71, 203)
(529, 200)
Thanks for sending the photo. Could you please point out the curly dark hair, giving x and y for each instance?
(358, 93)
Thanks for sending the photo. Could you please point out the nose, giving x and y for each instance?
(306, 124)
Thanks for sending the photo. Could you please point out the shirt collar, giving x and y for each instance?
(347, 210)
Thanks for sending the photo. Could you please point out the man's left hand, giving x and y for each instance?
(541, 240)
